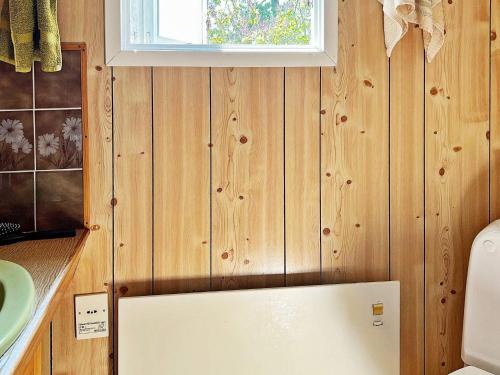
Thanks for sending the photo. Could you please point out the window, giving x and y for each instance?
(221, 32)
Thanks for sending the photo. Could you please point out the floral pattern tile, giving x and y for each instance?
(41, 130)
(59, 200)
(17, 199)
(62, 89)
(16, 89)
(59, 139)
(16, 141)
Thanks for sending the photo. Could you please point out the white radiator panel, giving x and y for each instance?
(326, 329)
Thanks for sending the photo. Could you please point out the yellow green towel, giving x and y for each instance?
(29, 32)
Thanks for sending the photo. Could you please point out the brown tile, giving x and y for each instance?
(16, 141)
(59, 200)
(58, 139)
(61, 89)
(16, 202)
(16, 89)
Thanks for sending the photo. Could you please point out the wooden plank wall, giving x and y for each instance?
(215, 178)
(82, 21)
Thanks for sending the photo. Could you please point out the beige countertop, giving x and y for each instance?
(52, 264)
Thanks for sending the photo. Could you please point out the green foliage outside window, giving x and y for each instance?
(271, 22)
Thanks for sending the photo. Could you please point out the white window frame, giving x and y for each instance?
(117, 53)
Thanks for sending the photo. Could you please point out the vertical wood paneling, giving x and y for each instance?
(133, 181)
(355, 154)
(248, 182)
(182, 179)
(83, 20)
(457, 162)
(265, 179)
(495, 111)
(302, 176)
(407, 194)
(46, 353)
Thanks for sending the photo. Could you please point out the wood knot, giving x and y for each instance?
(368, 83)
(219, 190)
(246, 261)
(326, 231)
(225, 255)
(348, 182)
(488, 135)
(123, 290)
(114, 202)
(241, 197)
(323, 112)
(434, 91)
(457, 148)
(343, 118)
(441, 172)
(243, 139)
(493, 35)
(98, 68)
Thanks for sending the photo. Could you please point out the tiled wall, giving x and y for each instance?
(41, 146)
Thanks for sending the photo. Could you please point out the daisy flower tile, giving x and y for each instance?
(16, 141)
(58, 139)
(41, 141)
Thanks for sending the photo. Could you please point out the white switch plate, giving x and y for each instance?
(91, 316)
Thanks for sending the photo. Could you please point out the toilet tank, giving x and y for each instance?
(481, 335)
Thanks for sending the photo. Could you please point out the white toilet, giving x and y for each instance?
(481, 335)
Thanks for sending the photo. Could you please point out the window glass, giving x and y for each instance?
(233, 23)
(271, 22)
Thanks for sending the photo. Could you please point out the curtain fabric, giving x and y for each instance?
(29, 32)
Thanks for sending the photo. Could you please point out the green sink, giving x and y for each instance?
(17, 301)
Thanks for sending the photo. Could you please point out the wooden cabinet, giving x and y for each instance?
(39, 363)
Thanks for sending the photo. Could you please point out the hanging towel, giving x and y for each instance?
(427, 14)
(29, 32)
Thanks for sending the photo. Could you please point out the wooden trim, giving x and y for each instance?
(49, 313)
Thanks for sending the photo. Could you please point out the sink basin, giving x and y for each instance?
(17, 302)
